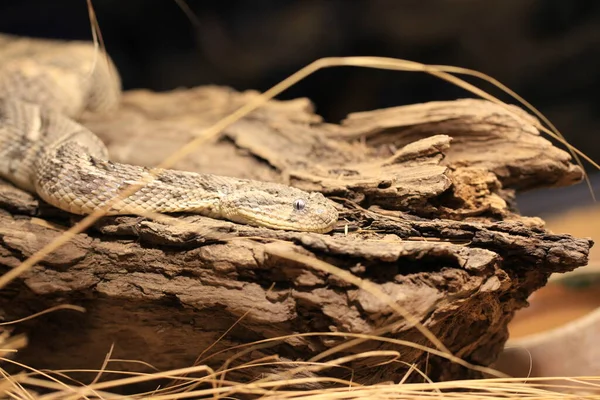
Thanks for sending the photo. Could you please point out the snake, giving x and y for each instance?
(46, 83)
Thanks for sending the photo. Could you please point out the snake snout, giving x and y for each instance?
(290, 209)
(323, 213)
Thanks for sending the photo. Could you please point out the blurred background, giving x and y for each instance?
(546, 50)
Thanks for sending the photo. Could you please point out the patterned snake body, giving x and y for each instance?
(42, 150)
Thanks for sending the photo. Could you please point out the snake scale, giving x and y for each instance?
(44, 84)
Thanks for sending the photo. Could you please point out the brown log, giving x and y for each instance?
(426, 193)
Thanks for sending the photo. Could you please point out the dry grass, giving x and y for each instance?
(209, 383)
(39, 385)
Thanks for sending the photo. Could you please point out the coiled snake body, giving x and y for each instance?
(43, 83)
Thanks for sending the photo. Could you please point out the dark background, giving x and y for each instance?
(546, 50)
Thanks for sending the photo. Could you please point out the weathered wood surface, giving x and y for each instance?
(426, 192)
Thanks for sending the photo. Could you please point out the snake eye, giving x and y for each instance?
(299, 205)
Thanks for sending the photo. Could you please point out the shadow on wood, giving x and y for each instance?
(425, 191)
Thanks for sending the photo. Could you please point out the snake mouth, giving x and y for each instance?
(315, 223)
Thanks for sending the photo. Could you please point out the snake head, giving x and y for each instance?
(282, 207)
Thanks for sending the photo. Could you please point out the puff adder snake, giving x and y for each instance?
(45, 83)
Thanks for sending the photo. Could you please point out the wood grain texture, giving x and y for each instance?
(428, 195)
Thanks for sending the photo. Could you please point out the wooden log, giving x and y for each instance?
(426, 195)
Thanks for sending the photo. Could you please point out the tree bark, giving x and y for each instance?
(426, 194)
